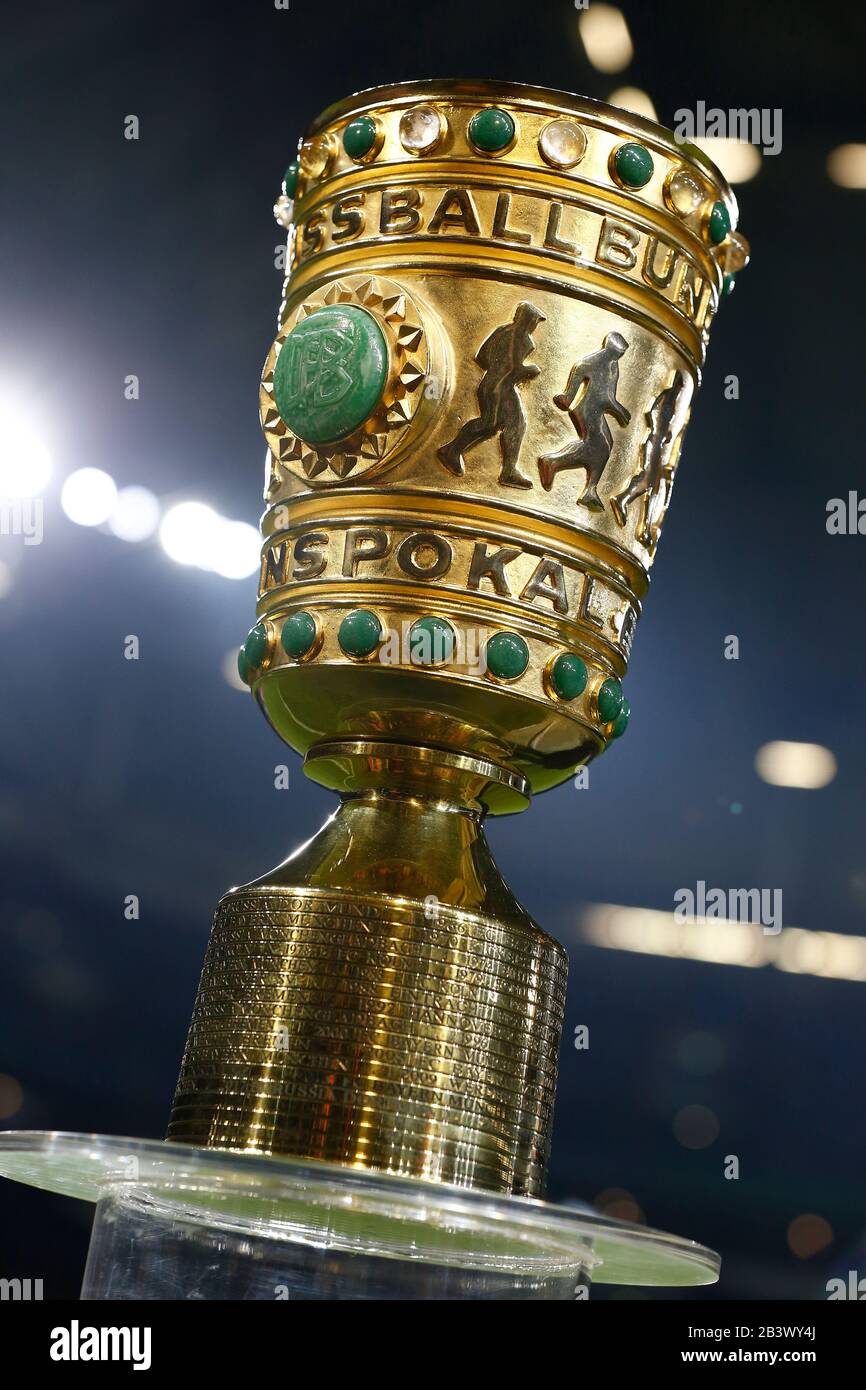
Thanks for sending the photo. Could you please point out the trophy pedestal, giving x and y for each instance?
(178, 1223)
(381, 999)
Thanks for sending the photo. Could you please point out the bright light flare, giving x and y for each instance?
(188, 532)
(605, 37)
(633, 99)
(230, 671)
(194, 534)
(136, 514)
(721, 941)
(739, 160)
(25, 462)
(238, 552)
(807, 766)
(88, 496)
(847, 166)
(808, 1235)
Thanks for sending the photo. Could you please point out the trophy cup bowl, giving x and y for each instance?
(495, 316)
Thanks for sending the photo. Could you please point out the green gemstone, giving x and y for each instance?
(330, 373)
(633, 164)
(431, 642)
(507, 656)
(728, 285)
(491, 130)
(719, 224)
(359, 137)
(610, 698)
(568, 676)
(243, 666)
(256, 646)
(360, 632)
(298, 634)
(290, 179)
(620, 724)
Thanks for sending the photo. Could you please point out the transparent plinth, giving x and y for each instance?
(173, 1222)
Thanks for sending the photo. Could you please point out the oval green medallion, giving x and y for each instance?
(290, 179)
(359, 137)
(633, 164)
(719, 224)
(255, 648)
(243, 666)
(491, 130)
(298, 634)
(330, 373)
(507, 656)
(360, 632)
(610, 698)
(728, 284)
(431, 642)
(620, 724)
(568, 676)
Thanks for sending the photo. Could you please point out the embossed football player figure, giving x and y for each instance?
(655, 462)
(589, 397)
(503, 356)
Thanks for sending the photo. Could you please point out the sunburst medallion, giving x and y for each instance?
(369, 447)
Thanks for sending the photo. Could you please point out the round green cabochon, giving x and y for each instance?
(330, 373)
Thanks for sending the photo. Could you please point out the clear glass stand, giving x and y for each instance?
(173, 1222)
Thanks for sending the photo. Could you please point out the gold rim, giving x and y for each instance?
(548, 98)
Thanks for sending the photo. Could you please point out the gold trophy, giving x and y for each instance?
(495, 315)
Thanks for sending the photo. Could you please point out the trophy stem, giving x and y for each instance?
(381, 999)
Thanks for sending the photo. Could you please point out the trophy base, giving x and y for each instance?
(173, 1222)
(381, 999)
